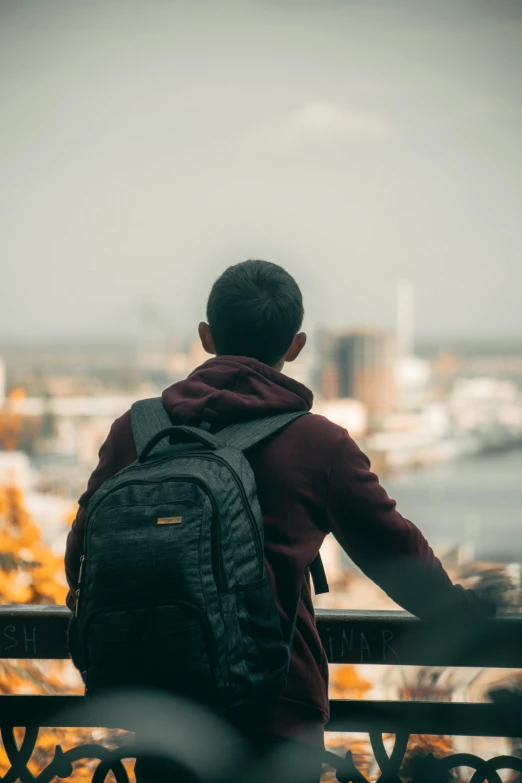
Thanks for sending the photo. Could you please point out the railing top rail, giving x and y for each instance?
(392, 615)
(30, 631)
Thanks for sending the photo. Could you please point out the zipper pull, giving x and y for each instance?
(82, 560)
(77, 601)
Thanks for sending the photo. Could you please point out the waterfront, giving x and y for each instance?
(475, 501)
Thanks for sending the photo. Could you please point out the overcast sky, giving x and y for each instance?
(146, 145)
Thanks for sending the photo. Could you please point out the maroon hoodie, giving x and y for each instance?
(312, 480)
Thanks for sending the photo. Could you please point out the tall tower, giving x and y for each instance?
(413, 373)
(405, 320)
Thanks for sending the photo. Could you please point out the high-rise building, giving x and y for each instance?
(361, 365)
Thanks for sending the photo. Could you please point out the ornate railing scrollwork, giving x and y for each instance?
(422, 769)
(61, 766)
(425, 769)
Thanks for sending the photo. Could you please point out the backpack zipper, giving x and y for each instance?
(215, 527)
(77, 592)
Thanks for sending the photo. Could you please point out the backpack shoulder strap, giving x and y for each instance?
(148, 417)
(247, 434)
(318, 575)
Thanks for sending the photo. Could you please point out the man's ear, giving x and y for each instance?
(297, 346)
(206, 338)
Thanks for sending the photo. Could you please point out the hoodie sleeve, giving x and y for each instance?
(388, 548)
(116, 453)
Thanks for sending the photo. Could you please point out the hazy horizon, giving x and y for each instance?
(485, 345)
(146, 146)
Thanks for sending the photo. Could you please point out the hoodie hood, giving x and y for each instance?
(230, 389)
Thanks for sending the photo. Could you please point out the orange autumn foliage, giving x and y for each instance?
(347, 683)
(29, 572)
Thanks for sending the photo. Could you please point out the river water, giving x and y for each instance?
(476, 501)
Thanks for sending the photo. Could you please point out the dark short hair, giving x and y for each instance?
(255, 309)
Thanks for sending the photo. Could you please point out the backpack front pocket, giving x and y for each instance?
(166, 646)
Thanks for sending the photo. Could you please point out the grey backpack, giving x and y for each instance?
(173, 589)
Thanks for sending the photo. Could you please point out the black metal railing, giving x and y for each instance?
(389, 638)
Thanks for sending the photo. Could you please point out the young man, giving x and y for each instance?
(312, 480)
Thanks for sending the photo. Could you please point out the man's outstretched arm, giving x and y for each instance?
(388, 548)
(117, 452)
